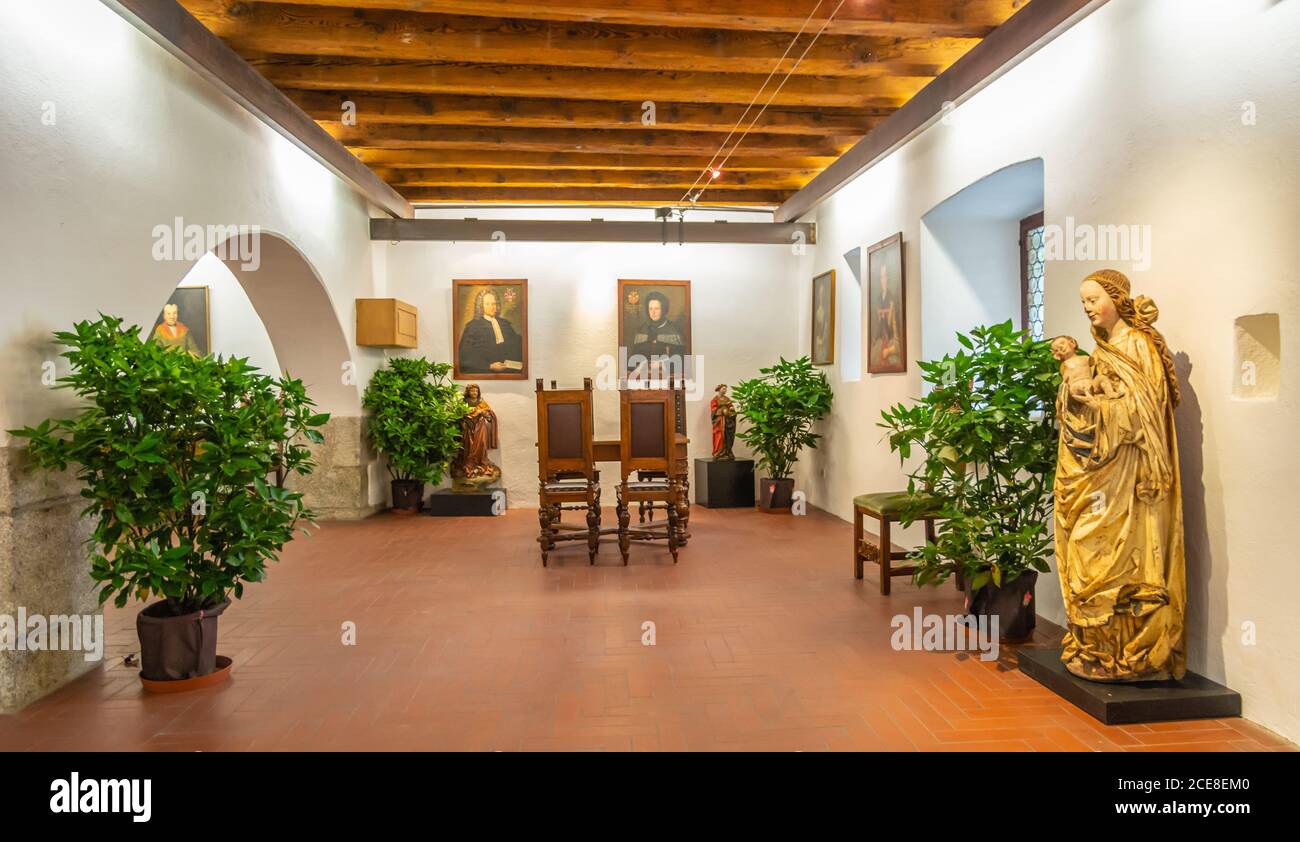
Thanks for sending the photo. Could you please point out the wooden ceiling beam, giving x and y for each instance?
(647, 141)
(893, 18)
(634, 86)
(385, 34)
(394, 159)
(1025, 32)
(452, 110)
(682, 180)
(588, 196)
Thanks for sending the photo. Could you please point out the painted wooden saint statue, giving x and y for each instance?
(472, 469)
(722, 412)
(1119, 513)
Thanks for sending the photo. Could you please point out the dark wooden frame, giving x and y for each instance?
(456, 285)
(1029, 223)
(812, 349)
(902, 303)
(623, 284)
(207, 313)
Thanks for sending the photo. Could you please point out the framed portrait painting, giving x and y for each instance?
(886, 308)
(184, 321)
(823, 318)
(654, 328)
(489, 327)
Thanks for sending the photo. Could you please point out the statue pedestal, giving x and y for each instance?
(724, 484)
(482, 502)
(1120, 703)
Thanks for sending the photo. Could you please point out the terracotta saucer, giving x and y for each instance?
(220, 674)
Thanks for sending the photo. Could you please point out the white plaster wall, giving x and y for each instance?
(237, 330)
(137, 139)
(970, 275)
(740, 302)
(1137, 112)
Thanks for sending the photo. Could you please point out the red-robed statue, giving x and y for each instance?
(722, 412)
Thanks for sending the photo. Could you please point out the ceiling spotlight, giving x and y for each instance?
(715, 172)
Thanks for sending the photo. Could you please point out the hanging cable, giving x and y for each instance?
(757, 94)
(770, 99)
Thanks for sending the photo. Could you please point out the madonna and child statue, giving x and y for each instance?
(1118, 505)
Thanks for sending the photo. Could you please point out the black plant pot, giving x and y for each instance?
(1013, 605)
(408, 494)
(177, 646)
(775, 495)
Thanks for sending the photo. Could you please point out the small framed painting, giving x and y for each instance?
(886, 308)
(184, 322)
(654, 329)
(489, 328)
(823, 318)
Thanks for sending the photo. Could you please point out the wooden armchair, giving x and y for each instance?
(566, 471)
(648, 442)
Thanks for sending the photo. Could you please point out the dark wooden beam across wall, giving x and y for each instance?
(592, 231)
(176, 30)
(1026, 31)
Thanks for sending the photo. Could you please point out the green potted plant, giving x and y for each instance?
(415, 424)
(987, 430)
(183, 460)
(780, 408)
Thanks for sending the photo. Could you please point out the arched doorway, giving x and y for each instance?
(306, 341)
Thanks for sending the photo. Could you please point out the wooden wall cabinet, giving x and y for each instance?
(386, 323)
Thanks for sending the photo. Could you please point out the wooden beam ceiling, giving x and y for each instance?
(896, 18)
(597, 101)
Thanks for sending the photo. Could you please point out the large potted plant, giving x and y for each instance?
(987, 431)
(415, 424)
(779, 408)
(183, 460)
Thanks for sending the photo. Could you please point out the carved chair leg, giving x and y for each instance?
(593, 525)
(544, 519)
(624, 519)
(673, 526)
(886, 549)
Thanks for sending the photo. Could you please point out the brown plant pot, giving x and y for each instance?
(1013, 604)
(775, 495)
(408, 495)
(176, 647)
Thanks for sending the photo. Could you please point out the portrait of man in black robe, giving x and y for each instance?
(489, 344)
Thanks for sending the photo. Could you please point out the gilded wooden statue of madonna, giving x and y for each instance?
(1119, 513)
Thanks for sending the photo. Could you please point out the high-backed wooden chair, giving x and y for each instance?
(647, 510)
(648, 442)
(566, 471)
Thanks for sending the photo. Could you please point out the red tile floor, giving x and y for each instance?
(465, 642)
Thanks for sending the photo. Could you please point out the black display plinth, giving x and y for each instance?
(482, 503)
(1195, 697)
(724, 484)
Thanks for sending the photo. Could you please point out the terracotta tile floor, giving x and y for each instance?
(763, 641)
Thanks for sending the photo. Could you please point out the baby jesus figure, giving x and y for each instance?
(1077, 372)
